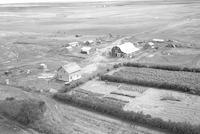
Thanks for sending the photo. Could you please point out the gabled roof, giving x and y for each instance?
(128, 48)
(71, 67)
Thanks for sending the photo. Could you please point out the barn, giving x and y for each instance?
(125, 50)
(69, 72)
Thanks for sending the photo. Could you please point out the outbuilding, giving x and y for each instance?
(88, 42)
(69, 72)
(86, 50)
(125, 50)
(74, 44)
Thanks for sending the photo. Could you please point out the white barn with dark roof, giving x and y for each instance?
(69, 72)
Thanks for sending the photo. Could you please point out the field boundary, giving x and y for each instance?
(161, 67)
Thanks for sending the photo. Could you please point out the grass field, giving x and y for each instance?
(174, 80)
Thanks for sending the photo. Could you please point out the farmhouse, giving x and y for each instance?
(125, 50)
(86, 50)
(69, 72)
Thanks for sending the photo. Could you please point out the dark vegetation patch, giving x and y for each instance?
(162, 67)
(23, 111)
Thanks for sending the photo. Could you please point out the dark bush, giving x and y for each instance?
(23, 111)
(31, 111)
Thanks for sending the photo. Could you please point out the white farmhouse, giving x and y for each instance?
(69, 72)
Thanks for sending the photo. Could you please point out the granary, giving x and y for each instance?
(86, 50)
(69, 72)
(125, 50)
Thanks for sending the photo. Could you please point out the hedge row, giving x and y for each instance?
(165, 85)
(117, 111)
(163, 67)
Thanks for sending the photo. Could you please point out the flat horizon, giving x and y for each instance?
(49, 1)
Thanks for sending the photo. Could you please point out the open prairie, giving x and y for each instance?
(176, 19)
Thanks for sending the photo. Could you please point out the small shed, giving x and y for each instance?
(69, 72)
(86, 50)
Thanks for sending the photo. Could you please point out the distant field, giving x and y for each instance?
(175, 80)
(177, 19)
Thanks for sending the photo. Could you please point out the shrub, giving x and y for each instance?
(23, 111)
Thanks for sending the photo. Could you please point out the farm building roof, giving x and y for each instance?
(128, 48)
(86, 48)
(73, 44)
(158, 40)
(71, 67)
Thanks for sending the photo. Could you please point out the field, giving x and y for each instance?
(40, 33)
(175, 80)
(165, 104)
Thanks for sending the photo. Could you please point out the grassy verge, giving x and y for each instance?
(115, 109)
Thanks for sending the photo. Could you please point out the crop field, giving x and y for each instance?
(175, 80)
(167, 105)
(159, 103)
